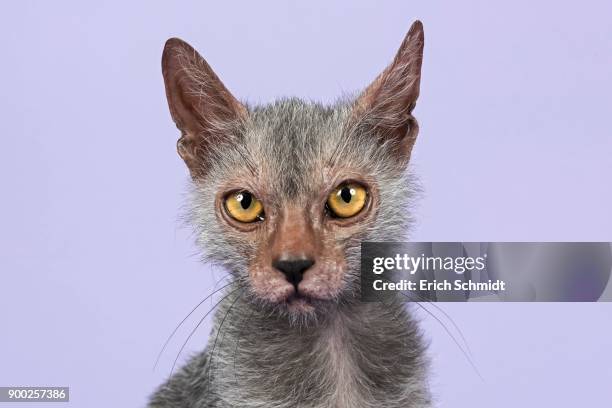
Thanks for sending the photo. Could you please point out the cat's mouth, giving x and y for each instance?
(304, 294)
(299, 303)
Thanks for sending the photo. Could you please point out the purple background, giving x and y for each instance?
(96, 269)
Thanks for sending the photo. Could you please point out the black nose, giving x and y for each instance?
(293, 268)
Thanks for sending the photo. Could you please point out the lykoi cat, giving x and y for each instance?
(283, 194)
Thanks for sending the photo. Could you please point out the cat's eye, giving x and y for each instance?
(243, 206)
(347, 200)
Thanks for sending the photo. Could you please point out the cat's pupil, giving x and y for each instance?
(346, 194)
(245, 199)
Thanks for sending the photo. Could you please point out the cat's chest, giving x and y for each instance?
(343, 372)
(317, 371)
(362, 360)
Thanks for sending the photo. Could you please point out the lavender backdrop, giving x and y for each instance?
(96, 270)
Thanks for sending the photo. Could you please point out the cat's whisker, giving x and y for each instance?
(450, 319)
(198, 325)
(465, 354)
(161, 352)
(215, 269)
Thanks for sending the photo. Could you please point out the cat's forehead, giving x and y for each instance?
(292, 142)
(299, 123)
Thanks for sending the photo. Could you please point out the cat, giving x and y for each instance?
(283, 194)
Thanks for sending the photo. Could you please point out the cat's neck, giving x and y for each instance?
(356, 353)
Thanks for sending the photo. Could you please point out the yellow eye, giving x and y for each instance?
(347, 200)
(244, 207)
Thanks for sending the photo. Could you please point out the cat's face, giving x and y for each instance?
(284, 194)
(289, 201)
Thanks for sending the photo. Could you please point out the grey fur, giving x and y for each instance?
(350, 354)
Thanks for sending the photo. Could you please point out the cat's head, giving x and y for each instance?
(285, 193)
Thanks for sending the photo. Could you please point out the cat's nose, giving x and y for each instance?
(293, 269)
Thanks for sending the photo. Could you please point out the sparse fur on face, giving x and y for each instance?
(282, 341)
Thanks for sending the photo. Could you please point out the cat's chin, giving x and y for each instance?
(300, 305)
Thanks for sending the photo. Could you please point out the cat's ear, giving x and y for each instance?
(201, 106)
(385, 107)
